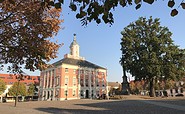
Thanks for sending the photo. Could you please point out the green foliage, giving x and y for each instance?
(148, 52)
(18, 88)
(2, 86)
(169, 84)
(31, 89)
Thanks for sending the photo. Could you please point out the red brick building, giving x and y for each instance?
(72, 78)
(10, 79)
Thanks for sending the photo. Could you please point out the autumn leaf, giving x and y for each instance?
(171, 3)
(137, 1)
(149, 1)
(183, 5)
(26, 32)
(174, 12)
(138, 6)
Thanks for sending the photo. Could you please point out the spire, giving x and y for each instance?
(74, 50)
(74, 38)
(74, 41)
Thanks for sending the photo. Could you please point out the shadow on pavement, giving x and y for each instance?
(112, 107)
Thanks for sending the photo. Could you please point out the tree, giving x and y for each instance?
(102, 10)
(148, 52)
(132, 87)
(169, 84)
(31, 90)
(26, 29)
(17, 89)
(2, 86)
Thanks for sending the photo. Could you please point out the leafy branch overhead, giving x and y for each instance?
(26, 29)
(101, 10)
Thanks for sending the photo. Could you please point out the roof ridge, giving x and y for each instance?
(78, 62)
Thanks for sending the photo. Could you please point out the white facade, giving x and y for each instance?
(72, 78)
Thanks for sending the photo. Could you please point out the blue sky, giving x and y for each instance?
(100, 44)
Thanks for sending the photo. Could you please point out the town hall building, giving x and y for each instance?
(73, 77)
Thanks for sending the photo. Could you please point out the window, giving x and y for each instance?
(57, 81)
(97, 81)
(66, 70)
(86, 82)
(87, 72)
(97, 93)
(66, 81)
(2, 77)
(92, 93)
(82, 93)
(81, 82)
(57, 93)
(10, 83)
(92, 80)
(74, 92)
(10, 77)
(29, 78)
(81, 71)
(103, 82)
(74, 81)
(74, 71)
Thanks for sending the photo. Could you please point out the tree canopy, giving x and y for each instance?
(102, 10)
(27, 26)
(31, 89)
(148, 52)
(26, 29)
(18, 88)
(2, 86)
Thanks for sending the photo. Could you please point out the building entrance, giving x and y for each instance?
(87, 94)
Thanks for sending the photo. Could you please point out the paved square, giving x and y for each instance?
(128, 105)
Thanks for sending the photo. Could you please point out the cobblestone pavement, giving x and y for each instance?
(128, 105)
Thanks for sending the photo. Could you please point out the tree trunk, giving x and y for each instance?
(16, 97)
(152, 90)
